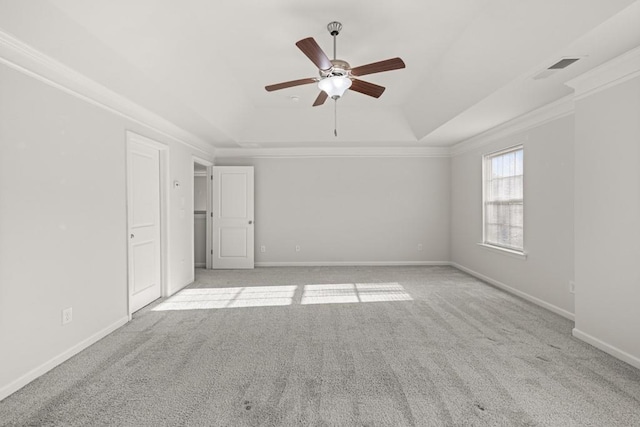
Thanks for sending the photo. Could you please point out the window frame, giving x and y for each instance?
(518, 253)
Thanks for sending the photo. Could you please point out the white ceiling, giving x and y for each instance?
(203, 64)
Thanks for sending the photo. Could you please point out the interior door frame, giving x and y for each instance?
(208, 164)
(164, 182)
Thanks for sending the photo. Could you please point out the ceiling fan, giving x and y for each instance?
(336, 75)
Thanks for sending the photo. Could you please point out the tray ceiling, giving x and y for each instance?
(203, 65)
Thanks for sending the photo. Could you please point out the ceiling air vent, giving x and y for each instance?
(563, 63)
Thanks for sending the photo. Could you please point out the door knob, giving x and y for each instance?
(132, 235)
(250, 222)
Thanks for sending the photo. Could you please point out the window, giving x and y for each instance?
(503, 199)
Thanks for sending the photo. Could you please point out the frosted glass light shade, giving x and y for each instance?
(335, 86)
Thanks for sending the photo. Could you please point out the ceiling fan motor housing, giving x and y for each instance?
(340, 68)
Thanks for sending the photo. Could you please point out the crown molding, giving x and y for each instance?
(28, 60)
(553, 111)
(611, 73)
(334, 152)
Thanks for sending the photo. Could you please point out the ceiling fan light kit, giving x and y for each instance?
(335, 86)
(336, 75)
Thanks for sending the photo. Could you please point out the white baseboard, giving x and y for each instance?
(200, 265)
(562, 312)
(607, 348)
(348, 263)
(16, 385)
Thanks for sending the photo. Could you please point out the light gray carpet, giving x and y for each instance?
(460, 353)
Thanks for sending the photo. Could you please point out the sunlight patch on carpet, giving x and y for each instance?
(273, 296)
(329, 294)
(354, 293)
(211, 298)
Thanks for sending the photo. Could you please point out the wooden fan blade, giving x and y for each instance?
(378, 67)
(321, 98)
(367, 88)
(310, 48)
(292, 83)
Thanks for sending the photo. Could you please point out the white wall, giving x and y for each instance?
(350, 209)
(63, 224)
(607, 228)
(548, 216)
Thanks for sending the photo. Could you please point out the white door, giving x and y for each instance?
(232, 217)
(143, 192)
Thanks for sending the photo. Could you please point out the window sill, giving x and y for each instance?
(504, 251)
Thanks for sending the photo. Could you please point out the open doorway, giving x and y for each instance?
(201, 203)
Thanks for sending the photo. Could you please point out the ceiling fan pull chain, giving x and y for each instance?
(335, 118)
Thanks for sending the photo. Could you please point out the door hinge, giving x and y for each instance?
(211, 214)
(211, 251)
(211, 177)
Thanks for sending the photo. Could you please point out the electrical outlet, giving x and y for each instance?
(572, 286)
(67, 315)
(419, 246)
(297, 248)
(263, 248)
